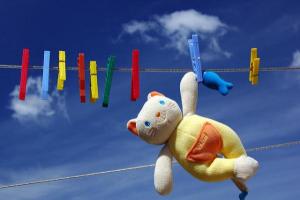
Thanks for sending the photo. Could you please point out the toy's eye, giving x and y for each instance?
(147, 123)
(162, 102)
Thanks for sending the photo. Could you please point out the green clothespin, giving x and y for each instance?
(108, 80)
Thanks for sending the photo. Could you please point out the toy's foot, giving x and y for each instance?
(214, 81)
(245, 167)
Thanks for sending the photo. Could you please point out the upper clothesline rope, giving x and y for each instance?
(255, 149)
(171, 70)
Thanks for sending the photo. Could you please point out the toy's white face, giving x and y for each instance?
(157, 119)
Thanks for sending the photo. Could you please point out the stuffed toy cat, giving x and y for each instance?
(207, 149)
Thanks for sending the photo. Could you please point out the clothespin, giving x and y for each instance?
(195, 56)
(45, 81)
(24, 71)
(61, 70)
(254, 67)
(108, 80)
(81, 75)
(210, 79)
(135, 82)
(93, 82)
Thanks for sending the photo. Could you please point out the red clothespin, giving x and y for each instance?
(135, 80)
(24, 71)
(81, 74)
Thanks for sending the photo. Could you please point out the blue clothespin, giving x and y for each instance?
(195, 56)
(209, 79)
(45, 81)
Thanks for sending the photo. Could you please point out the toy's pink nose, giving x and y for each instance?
(157, 114)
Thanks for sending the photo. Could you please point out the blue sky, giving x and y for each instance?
(61, 136)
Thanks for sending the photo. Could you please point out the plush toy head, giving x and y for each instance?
(157, 119)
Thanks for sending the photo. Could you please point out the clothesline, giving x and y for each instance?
(255, 149)
(160, 69)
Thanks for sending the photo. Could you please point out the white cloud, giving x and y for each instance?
(296, 59)
(34, 108)
(175, 28)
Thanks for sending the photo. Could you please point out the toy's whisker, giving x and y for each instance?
(152, 132)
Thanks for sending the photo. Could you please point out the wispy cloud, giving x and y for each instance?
(296, 59)
(175, 28)
(34, 108)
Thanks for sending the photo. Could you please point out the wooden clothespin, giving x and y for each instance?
(45, 81)
(94, 96)
(81, 75)
(254, 67)
(61, 70)
(24, 72)
(195, 56)
(135, 81)
(108, 80)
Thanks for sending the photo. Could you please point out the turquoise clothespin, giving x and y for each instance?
(195, 56)
(45, 81)
(108, 80)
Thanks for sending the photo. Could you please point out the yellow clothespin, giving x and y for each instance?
(93, 82)
(254, 67)
(61, 70)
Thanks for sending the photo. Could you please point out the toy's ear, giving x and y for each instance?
(154, 93)
(131, 126)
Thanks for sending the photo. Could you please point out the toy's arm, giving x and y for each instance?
(163, 179)
(189, 93)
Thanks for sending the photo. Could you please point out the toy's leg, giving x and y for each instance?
(220, 169)
(244, 166)
(214, 81)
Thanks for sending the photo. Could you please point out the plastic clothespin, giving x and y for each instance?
(135, 81)
(108, 80)
(24, 72)
(195, 56)
(81, 75)
(61, 70)
(209, 79)
(93, 82)
(254, 67)
(45, 81)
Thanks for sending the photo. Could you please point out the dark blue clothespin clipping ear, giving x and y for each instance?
(210, 79)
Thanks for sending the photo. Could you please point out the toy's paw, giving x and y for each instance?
(245, 167)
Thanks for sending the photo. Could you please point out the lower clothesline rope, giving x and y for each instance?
(172, 70)
(256, 149)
